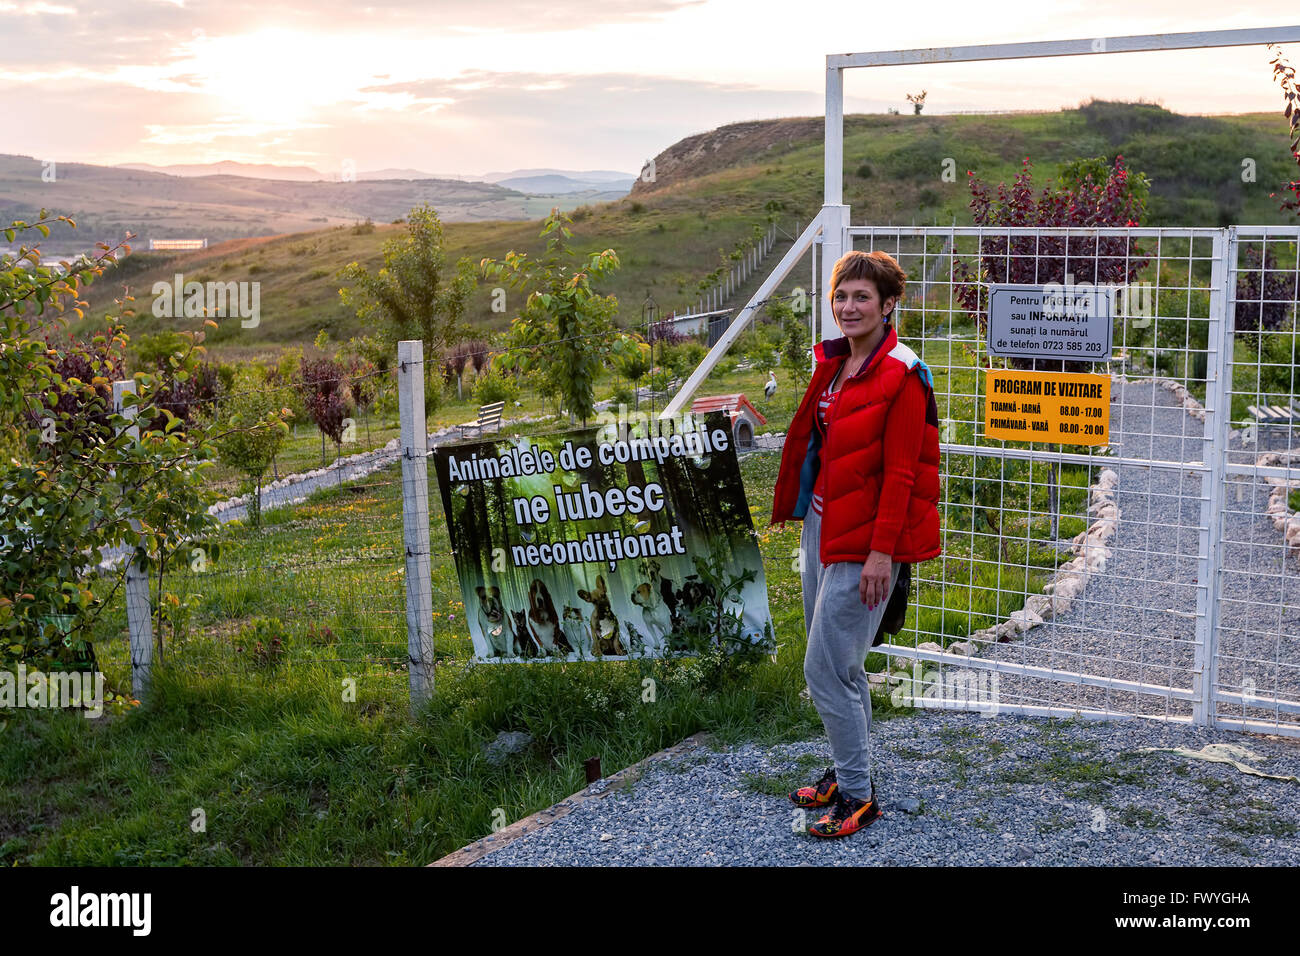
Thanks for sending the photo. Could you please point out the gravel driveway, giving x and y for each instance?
(1002, 790)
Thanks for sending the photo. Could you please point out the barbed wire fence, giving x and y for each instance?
(321, 572)
(325, 578)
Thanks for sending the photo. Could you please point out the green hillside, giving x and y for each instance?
(710, 196)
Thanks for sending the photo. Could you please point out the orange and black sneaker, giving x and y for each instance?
(820, 794)
(847, 816)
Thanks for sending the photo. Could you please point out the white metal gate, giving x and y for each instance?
(1178, 599)
(1254, 675)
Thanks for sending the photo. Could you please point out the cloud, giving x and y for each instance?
(120, 33)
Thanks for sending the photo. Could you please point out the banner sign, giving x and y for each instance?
(1060, 407)
(615, 541)
(1051, 321)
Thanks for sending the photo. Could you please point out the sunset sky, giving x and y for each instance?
(472, 86)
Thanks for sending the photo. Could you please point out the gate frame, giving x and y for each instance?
(829, 234)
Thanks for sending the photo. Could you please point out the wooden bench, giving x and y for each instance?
(489, 416)
(1274, 414)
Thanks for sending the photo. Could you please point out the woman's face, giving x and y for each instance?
(858, 309)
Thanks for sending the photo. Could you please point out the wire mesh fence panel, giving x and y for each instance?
(1256, 671)
(1074, 574)
(307, 565)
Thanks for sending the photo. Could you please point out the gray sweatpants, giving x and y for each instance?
(840, 630)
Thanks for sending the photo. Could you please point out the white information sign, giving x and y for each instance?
(1051, 321)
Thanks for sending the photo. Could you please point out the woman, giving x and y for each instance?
(860, 467)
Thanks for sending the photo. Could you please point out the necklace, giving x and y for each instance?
(845, 375)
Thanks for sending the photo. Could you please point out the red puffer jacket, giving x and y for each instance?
(881, 455)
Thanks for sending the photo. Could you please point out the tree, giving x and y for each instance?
(635, 365)
(410, 297)
(918, 101)
(1284, 73)
(85, 480)
(795, 341)
(1089, 193)
(251, 451)
(327, 396)
(565, 331)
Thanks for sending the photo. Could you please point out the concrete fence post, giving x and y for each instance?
(138, 612)
(415, 519)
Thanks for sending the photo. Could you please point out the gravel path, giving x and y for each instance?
(1137, 619)
(1003, 791)
(966, 789)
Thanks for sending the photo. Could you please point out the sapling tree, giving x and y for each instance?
(565, 330)
(414, 295)
(251, 451)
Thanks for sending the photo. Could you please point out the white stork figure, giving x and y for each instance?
(770, 388)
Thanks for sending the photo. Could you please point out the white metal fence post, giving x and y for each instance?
(1218, 412)
(415, 519)
(138, 612)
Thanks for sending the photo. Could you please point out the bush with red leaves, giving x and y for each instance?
(1039, 260)
(85, 361)
(326, 394)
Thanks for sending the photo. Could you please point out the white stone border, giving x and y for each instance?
(1284, 520)
(370, 462)
(1091, 553)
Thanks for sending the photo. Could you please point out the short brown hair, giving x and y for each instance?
(880, 267)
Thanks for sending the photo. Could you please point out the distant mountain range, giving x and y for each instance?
(229, 200)
(546, 182)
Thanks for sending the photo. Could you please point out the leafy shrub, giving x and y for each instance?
(1265, 295)
(51, 529)
(1090, 193)
(96, 364)
(666, 333)
(496, 386)
(244, 446)
(326, 394)
(623, 395)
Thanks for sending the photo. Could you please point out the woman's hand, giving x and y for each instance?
(873, 586)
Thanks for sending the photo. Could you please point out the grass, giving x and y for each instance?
(1257, 822)
(1135, 816)
(1052, 822)
(287, 770)
(1078, 775)
(1231, 844)
(779, 785)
